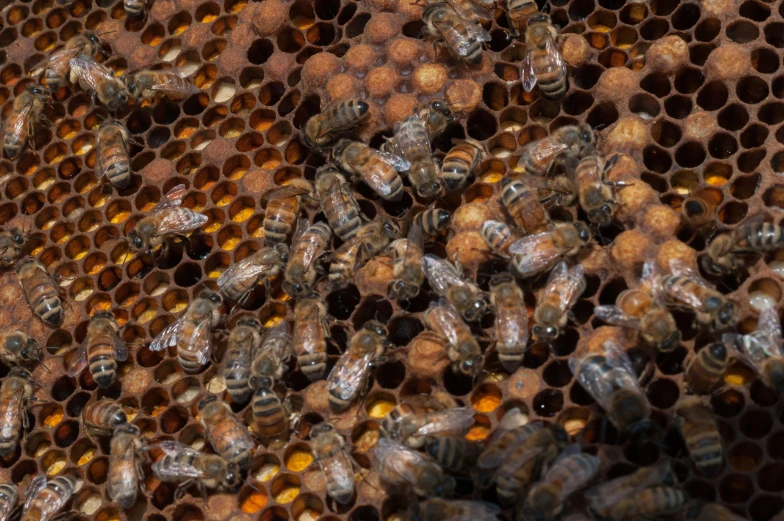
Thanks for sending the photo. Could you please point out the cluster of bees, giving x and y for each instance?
(532, 466)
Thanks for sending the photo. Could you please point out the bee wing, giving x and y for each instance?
(551, 47)
(178, 467)
(19, 122)
(233, 367)
(172, 199)
(464, 510)
(441, 274)
(350, 244)
(349, 375)
(601, 383)
(473, 10)
(456, 419)
(333, 196)
(614, 316)
(529, 75)
(769, 324)
(127, 485)
(603, 496)
(173, 83)
(511, 465)
(120, 347)
(763, 343)
(36, 486)
(90, 72)
(541, 150)
(201, 341)
(415, 243)
(59, 61)
(400, 164)
(115, 141)
(246, 269)
(478, 32)
(168, 336)
(299, 230)
(681, 269)
(13, 409)
(400, 461)
(79, 360)
(650, 280)
(180, 222)
(284, 192)
(567, 283)
(531, 257)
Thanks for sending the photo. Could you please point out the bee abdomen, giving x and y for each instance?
(118, 169)
(313, 365)
(549, 77)
(103, 367)
(188, 360)
(268, 414)
(458, 164)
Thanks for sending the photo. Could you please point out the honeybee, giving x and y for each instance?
(167, 219)
(594, 191)
(437, 115)
(462, 350)
(413, 144)
(240, 279)
(94, 76)
(57, 72)
(499, 237)
(437, 509)
(604, 496)
(135, 8)
(339, 116)
(170, 83)
(432, 222)
(272, 358)
(642, 309)
(701, 435)
(447, 281)
(706, 368)
(685, 288)
(512, 431)
(103, 417)
(568, 474)
(523, 205)
(725, 252)
(462, 161)
(112, 158)
(41, 291)
(454, 453)
(16, 348)
(762, 349)
(463, 38)
(102, 348)
(536, 253)
(403, 468)
(712, 512)
(11, 246)
(270, 415)
(563, 288)
(125, 476)
(417, 418)
(20, 125)
(371, 239)
(184, 465)
(334, 460)
(192, 333)
(467, 9)
(648, 503)
(511, 320)
(562, 146)
(544, 64)
(518, 12)
(308, 247)
(377, 169)
(311, 330)
(338, 203)
(553, 191)
(350, 375)
(407, 268)
(46, 498)
(608, 376)
(9, 493)
(227, 435)
(244, 340)
(15, 394)
(283, 206)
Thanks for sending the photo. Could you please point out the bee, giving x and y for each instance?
(454, 453)
(608, 376)
(462, 161)
(15, 394)
(463, 38)
(41, 291)
(270, 415)
(699, 431)
(350, 375)
(308, 247)
(437, 509)
(170, 83)
(112, 159)
(643, 309)
(57, 72)
(379, 170)
(563, 288)
(334, 460)
(20, 125)
(564, 145)
(407, 268)
(568, 474)
(125, 476)
(468, 10)
(762, 349)
(103, 417)
(706, 368)
(11, 246)
(523, 205)
(685, 288)
(447, 281)
(413, 144)
(273, 355)
(167, 219)
(102, 348)
(94, 76)
(341, 115)
(512, 431)
(725, 251)
(534, 254)
(244, 340)
(511, 320)
(136, 8)
(437, 115)
(311, 331)
(462, 350)
(16, 348)
(432, 222)
(711, 512)
(227, 435)
(403, 468)
(604, 496)
(553, 191)
(649, 503)
(594, 191)
(544, 64)
(283, 206)
(9, 493)
(184, 465)
(240, 279)
(499, 237)
(338, 203)
(371, 239)
(192, 333)
(46, 498)
(518, 12)
(417, 418)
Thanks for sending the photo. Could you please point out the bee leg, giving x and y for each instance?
(182, 488)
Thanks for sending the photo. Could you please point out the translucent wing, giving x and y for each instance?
(456, 419)
(181, 221)
(236, 366)
(79, 360)
(172, 199)
(533, 253)
(168, 337)
(567, 283)
(400, 462)
(478, 32)
(769, 324)
(473, 10)
(36, 486)
(765, 342)
(174, 467)
(279, 337)
(613, 315)
(541, 151)
(19, 122)
(91, 74)
(10, 503)
(551, 48)
(495, 454)
(400, 164)
(441, 274)
(284, 192)
(247, 269)
(59, 62)
(512, 464)
(119, 346)
(447, 320)
(173, 82)
(650, 279)
(333, 197)
(681, 269)
(124, 485)
(201, 342)
(415, 244)
(10, 413)
(602, 373)
(349, 375)
(115, 141)
(604, 496)
(529, 75)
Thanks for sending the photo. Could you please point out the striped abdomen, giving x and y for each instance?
(573, 472)
(100, 357)
(57, 491)
(10, 431)
(648, 503)
(279, 219)
(269, 418)
(134, 7)
(231, 440)
(433, 221)
(341, 269)
(8, 496)
(549, 76)
(453, 453)
(311, 349)
(341, 115)
(42, 294)
(701, 436)
(459, 164)
(707, 368)
(13, 142)
(104, 415)
(680, 290)
(523, 206)
(761, 237)
(382, 178)
(343, 218)
(237, 374)
(186, 351)
(163, 467)
(114, 161)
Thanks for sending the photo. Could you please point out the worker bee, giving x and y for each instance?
(544, 64)
(112, 158)
(334, 460)
(309, 246)
(649, 503)
(103, 417)
(46, 498)
(562, 146)
(413, 144)
(350, 375)
(244, 340)
(402, 468)
(187, 466)
(594, 191)
(568, 474)
(463, 38)
(272, 357)
(270, 415)
(240, 279)
(762, 349)
(511, 321)
(518, 12)
(699, 431)
(379, 170)
(563, 288)
(407, 268)
(447, 281)
(12, 245)
(437, 115)
(102, 348)
(371, 239)
(135, 8)
(26, 110)
(706, 368)
(437, 509)
(523, 205)
(338, 203)
(462, 350)
(418, 418)
(311, 331)
(726, 250)
(642, 309)
(536, 253)
(341, 115)
(513, 429)
(192, 333)
(604, 496)
(711, 512)
(9, 493)
(553, 191)
(227, 435)
(57, 71)
(167, 219)
(16, 348)
(462, 161)
(94, 76)
(170, 83)
(41, 291)
(608, 376)
(432, 222)
(15, 394)
(454, 453)
(468, 10)
(283, 206)
(125, 476)
(499, 237)
(685, 288)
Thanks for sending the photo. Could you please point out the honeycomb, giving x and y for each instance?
(688, 91)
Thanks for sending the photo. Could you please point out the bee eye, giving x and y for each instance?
(587, 136)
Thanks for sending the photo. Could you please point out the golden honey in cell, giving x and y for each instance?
(454, 453)
(338, 203)
(96, 77)
(537, 253)
(563, 288)
(166, 220)
(568, 474)
(407, 265)
(9, 493)
(16, 348)
(728, 251)
(186, 466)
(309, 246)
(562, 146)
(244, 341)
(45, 498)
(413, 143)
(228, 436)
(283, 206)
(595, 193)
(649, 502)
(26, 111)
(404, 469)
(241, 278)
(438, 509)
(685, 288)
(332, 455)
(112, 159)
(311, 331)
(57, 71)
(461, 347)
(544, 64)
(170, 83)
(15, 393)
(700, 434)
(102, 417)
(336, 119)
(706, 368)
(511, 320)
(371, 239)
(603, 497)
(125, 476)
(432, 222)
(522, 203)
(462, 162)
(463, 38)
(101, 350)
(377, 169)
(41, 291)
(447, 281)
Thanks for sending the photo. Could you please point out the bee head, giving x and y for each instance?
(601, 216)
(671, 342)
(444, 109)
(376, 327)
(390, 228)
(401, 290)
(128, 428)
(545, 333)
(471, 366)
(261, 382)
(431, 190)
(442, 219)
(40, 92)
(718, 351)
(92, 38)
(728, 315)
(18, 236)
(135, 240)
(206, 401)
(583, 232)
(233, 475)
(212, 296)
(321, 428)
(294, 289)
(500, 278)
(712, 303)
